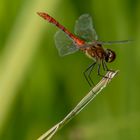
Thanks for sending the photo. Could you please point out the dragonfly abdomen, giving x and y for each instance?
(50, 19)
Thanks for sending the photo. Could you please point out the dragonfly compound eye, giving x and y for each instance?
(110, 56)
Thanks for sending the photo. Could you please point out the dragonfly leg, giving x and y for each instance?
(87, 74)
(104, 66)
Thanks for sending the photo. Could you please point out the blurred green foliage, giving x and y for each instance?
(38, 88)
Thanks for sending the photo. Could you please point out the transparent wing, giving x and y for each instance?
(84, 28)
(115, 42)
(64, 44)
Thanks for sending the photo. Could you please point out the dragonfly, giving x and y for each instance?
(86, 40)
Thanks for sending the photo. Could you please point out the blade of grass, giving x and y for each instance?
(82, 104)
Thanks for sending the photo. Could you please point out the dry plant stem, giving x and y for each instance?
(88, 98)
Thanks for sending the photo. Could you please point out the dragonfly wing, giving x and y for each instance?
(64, 44)
(84, 28)
(115, 42)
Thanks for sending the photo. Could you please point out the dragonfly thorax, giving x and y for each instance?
(95, 52)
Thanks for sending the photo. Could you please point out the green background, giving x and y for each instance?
(38, 88)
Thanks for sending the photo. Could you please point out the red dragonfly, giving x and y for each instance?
(84, 39)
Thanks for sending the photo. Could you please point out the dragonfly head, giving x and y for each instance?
(110, 55)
